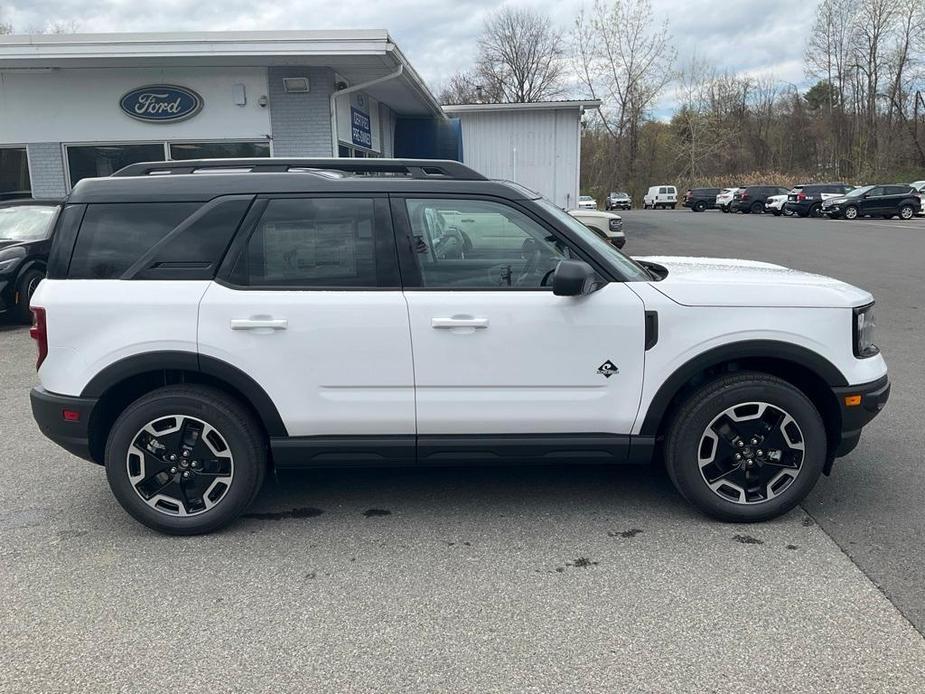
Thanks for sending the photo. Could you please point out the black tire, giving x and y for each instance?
(906, 212)
(757, 208)
(243, 436)
(25, 288)
(776, 212)
(725, 209)
(684, 441)
(673, 206)
(815, 211)
(699, 206)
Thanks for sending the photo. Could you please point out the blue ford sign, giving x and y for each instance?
(360, 131)
(161, 103)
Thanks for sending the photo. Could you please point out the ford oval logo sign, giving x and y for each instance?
(161, 103)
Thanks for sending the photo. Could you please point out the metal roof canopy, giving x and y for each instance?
(358, 56)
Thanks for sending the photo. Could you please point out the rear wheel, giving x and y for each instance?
(815, 211)
(185, 460)
(757, 208)
(25, 288)
(699, 206)
(906, 212)
(673, 206)
(746, 447)
(851, 212)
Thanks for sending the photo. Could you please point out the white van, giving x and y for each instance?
(660, 196)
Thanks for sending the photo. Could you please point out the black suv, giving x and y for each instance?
(752, 198)
(25, 239)
(887, 201)
(805, 200)
(700, 199)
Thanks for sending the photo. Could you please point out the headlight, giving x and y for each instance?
(10, 256)
(615, 224)
(863, 332)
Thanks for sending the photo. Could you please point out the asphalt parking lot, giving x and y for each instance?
(508, 580)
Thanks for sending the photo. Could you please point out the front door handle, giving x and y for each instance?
(459, 322)
(259, 324)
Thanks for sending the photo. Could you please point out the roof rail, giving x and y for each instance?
(413, 168)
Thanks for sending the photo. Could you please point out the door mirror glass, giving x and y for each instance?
(573, 278)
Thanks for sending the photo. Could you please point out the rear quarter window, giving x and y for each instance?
(114, 236)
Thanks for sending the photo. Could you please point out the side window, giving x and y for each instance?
(898, 190)
(663, 190)
(479, 244)
(874, 192)
(114, 236)
(311, 242)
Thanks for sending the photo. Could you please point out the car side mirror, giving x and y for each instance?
(573, 278)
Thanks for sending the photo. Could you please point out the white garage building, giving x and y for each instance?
(83, 105)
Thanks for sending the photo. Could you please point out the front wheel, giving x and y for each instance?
(851, 212)
(724, 208)
(746, 447)
(185, 460)
(776, 212)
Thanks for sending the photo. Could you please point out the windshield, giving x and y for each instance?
(626, 266)
(26, 222)
(858, 191)
(585, 197)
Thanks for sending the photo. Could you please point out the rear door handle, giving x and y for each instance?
(458, 322)
(259, 323)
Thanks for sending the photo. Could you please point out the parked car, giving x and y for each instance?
(775, 205)
(919, 186)
(887, 201)
(618, 201)
(607, 225)
(660, 196)
(751, 199)
(586, 202)
(700, 199)
(724, 198)
(805, 199)
(25, 239)
(208, 328)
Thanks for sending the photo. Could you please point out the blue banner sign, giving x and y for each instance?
(161, 103)
(360, 132)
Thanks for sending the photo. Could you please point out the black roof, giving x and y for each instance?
(202, 180)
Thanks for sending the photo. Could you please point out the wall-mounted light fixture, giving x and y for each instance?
(295, 85)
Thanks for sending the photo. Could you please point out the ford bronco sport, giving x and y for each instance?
(202, 321)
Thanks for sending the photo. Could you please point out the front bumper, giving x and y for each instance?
(71, 432)
(870, 399)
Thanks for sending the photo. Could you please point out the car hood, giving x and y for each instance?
(597, 214)
(727, 282)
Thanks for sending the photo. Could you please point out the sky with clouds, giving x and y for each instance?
(756, 37)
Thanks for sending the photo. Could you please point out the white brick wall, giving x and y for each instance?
(301, 122)
(46, 169)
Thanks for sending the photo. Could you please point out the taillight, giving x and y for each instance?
(801, 196)
(39, 333)
(744, 196)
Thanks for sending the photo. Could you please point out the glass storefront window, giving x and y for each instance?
(89, 161)
(14, 173)
(219, 150)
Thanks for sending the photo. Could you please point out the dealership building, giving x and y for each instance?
(84, 105)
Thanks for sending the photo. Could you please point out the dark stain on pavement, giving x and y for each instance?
(793, 547)
(632, 532)
(304, 512)
(807, 522)
(747, 540)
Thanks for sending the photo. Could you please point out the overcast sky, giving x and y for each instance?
(437, 36)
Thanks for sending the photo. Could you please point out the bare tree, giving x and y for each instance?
(624, 57)
(520, 59)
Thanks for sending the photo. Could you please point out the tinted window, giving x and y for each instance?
(195, 248)
(312, 242)
(104, 160)
(114, 236)
(898, 190)
(662, 190)
(14, 172)
(219, 150)
(481, 244)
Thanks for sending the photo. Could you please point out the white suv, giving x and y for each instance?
(201, 325)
